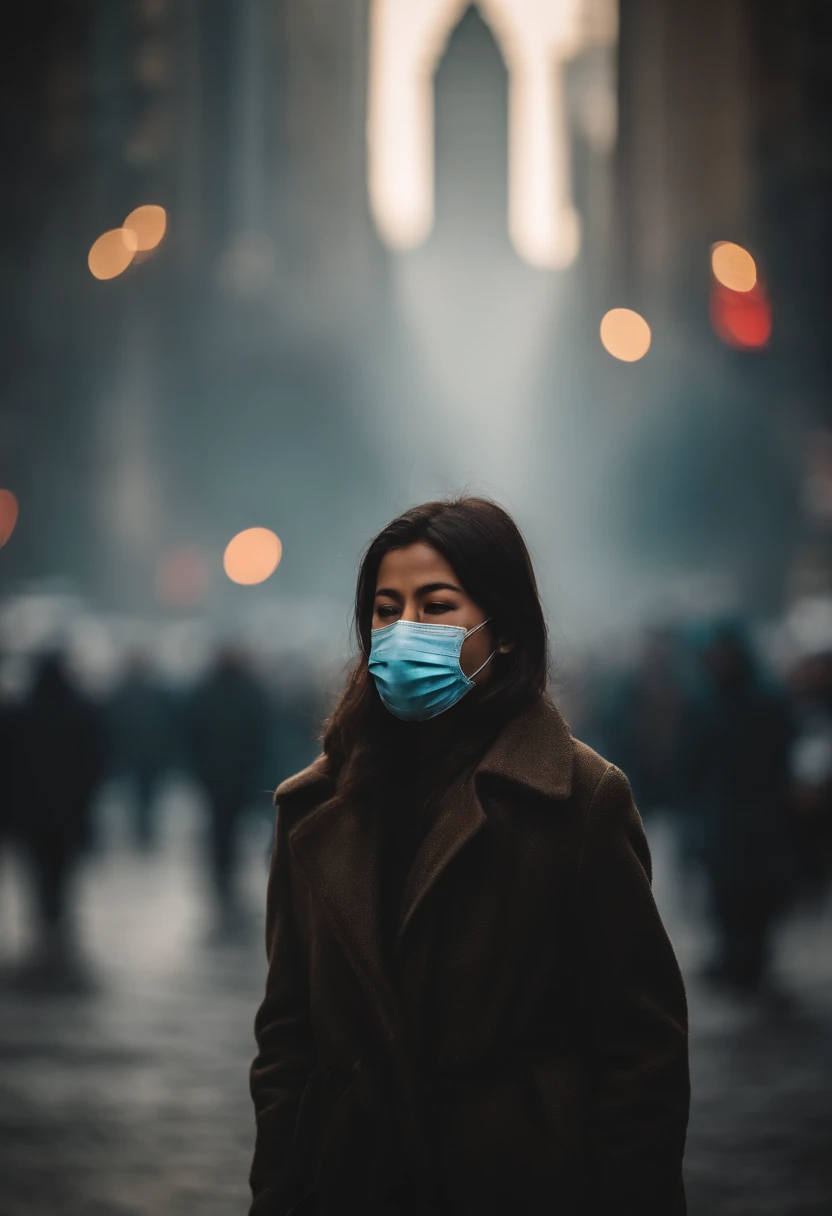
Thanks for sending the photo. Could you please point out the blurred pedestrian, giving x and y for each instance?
(226, 723)
(642, 721)
(142, 727)
(60, 741)
(296, 708)
(736, 744)
(810, 683)
(9, 768)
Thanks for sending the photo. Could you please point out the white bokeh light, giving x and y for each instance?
(536, 38)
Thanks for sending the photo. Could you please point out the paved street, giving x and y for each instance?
(133, 1101)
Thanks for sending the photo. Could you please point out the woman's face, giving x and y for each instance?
(417, 584)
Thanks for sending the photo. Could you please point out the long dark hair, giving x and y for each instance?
(366, 744)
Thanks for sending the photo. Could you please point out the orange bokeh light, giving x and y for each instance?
(733, 266)
(149, 223)
(252, 556)
(625, 334)
(8, 515)
(112, 253)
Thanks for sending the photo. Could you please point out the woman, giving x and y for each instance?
(472, 1006)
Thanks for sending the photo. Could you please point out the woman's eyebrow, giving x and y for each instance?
(426, 589)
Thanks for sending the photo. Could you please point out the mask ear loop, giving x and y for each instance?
(479, 669)
(490, 657)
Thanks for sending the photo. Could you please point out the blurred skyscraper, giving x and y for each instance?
(283, 359)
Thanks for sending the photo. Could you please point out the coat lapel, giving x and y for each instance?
(338, 844)
(459, 819)
(533, 752)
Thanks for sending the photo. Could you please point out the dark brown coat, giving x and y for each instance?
(533, 1056)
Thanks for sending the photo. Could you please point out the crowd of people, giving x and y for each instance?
(692, 712)
(232, 733)
(739, 755)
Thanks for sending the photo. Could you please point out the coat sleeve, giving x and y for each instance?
(634, 1008)
(286, 1050)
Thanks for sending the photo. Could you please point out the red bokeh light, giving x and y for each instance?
(8, 515)
(742, 319)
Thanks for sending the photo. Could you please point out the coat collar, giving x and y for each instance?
(316, 773)
(337, 845)
(533, 752)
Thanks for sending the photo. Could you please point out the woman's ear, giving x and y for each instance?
(505, 647)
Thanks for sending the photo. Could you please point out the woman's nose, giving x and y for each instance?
(411, 612)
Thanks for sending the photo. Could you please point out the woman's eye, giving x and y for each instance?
(437, 608)
(386, 610)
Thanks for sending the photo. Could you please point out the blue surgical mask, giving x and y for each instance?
(416, 667)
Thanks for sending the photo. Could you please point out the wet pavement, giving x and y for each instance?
(132, 1098)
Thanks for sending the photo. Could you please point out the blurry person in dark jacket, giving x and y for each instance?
(141, 722)
(810, 683)
(736, 744)
(60, 760)
(226, 724)
(643, 717)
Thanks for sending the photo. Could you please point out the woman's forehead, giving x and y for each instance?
(418, 562)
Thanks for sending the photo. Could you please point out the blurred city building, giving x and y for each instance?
(281, 358)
